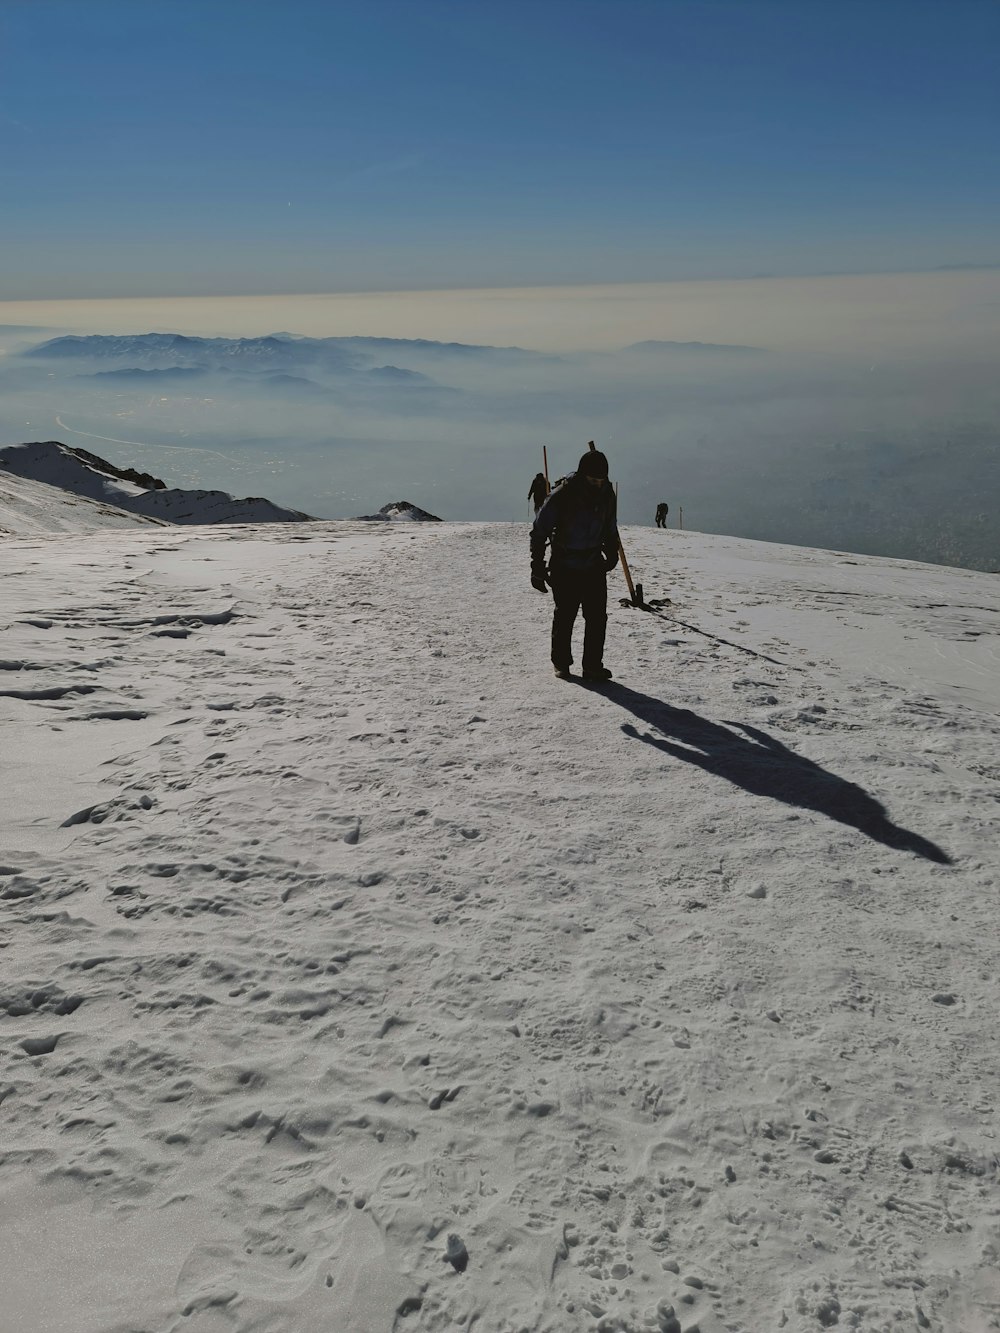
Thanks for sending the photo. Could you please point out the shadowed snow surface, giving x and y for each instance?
(361, 976)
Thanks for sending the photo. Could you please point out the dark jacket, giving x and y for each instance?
(581, 523)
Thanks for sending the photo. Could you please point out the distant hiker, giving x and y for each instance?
(580, 521)
(539, 491)
(662, 510)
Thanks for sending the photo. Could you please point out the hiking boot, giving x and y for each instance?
(562, 673)
(596, 673)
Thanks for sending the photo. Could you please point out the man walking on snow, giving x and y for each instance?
(539, 491)
(580, 521)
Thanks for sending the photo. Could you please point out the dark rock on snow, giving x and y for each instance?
(400, 510)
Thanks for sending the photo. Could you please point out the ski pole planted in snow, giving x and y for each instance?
(634, 591)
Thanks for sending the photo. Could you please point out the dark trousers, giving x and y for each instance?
(575, 591)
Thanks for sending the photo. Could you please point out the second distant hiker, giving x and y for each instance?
(580, 522)
(539, 491)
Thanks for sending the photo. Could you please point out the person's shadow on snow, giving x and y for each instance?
(761, 764)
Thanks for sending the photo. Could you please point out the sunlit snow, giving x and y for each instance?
(361, 976)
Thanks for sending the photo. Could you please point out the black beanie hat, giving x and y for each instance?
(593, 464)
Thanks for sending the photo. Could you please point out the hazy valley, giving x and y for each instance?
(895, 458)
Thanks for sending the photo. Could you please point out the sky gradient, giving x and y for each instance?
(240, 147)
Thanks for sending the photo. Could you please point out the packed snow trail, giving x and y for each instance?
(365, 932)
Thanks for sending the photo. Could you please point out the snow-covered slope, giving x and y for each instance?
(28, 507)
(337, 927)
(58, 465)
(178, 506)
(83, 474)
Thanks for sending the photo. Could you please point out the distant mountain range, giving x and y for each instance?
(174, 351)
(404, 364)
(285, 353)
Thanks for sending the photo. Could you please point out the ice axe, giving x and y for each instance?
(635, 590)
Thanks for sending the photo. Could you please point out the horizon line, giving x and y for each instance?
(986, 266)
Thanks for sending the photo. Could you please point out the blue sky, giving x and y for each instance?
(171, 147)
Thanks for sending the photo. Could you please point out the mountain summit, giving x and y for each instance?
(397, 510)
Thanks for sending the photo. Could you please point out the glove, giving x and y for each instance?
(609, 562)
(538, 580)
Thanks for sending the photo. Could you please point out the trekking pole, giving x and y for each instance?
(634, 591)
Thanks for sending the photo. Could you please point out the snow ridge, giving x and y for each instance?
(85, 475)
(34, 507)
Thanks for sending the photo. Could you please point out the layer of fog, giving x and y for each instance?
(892, 455)
(942, 313)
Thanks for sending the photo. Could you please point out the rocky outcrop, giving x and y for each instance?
(398, 510)
(144, 479)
